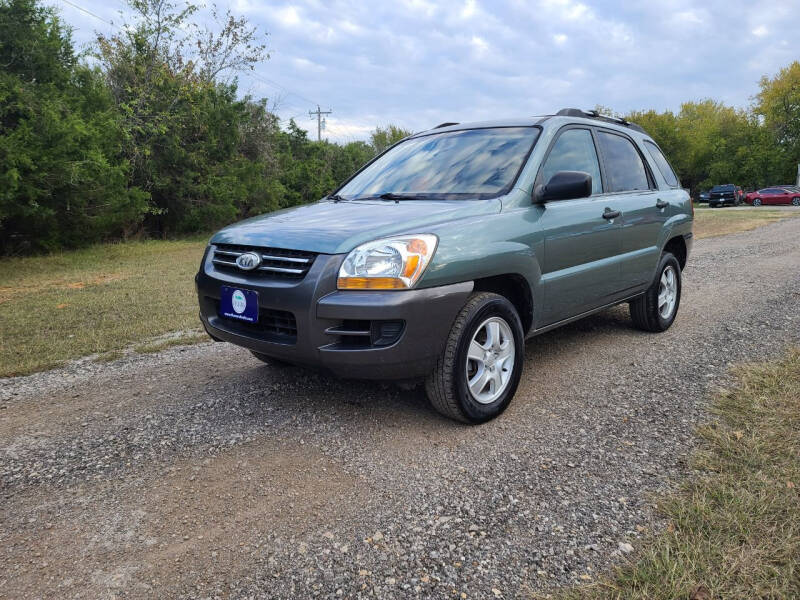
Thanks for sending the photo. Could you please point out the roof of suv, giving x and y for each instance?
(564, 116)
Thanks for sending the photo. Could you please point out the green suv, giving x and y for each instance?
(439, 258)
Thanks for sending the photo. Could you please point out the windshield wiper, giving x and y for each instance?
(393, 196)
(337, 198)
(398, 197)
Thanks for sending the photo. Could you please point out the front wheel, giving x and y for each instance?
(479, 369)
(655, 310)
(757, 202)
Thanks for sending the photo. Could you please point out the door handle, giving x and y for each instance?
(661, 203)
(611, 214)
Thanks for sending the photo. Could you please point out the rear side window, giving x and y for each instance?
(624, 166)
(662, 164)
(574, 151)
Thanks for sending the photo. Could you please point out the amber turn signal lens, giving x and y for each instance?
(370, 283)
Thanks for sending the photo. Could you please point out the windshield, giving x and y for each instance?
(722, 188)
(474, 163)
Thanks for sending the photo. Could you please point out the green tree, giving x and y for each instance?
(193, 145)
(709, 143)
(778, 103)
(383, 137)
(63, 181)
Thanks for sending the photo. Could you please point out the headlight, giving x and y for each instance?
(387, 264)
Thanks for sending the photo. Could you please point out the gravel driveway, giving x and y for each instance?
(200, 472)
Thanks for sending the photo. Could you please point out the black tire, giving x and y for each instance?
(756, 201)
(446, 386)
(275, 362)
(644, 310)
(795, 201)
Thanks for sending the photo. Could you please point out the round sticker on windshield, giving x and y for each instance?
(238, 301)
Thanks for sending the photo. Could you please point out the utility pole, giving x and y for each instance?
(319, 114)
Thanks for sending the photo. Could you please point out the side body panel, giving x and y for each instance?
(581, 269)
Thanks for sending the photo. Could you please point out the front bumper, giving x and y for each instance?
(315, 321)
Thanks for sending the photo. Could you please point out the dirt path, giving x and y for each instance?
(199, 472)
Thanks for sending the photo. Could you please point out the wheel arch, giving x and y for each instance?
(514, 287)
(677, 246)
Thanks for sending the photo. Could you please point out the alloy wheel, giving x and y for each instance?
(490, 360)
(667, 292)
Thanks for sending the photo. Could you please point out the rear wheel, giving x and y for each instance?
(756, 201)
(795, 201)
(655, 310)
(479, 369)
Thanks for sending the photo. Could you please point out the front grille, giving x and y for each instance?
(276, 263)
(272, 325)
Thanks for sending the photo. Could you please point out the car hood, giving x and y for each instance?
(335, 227)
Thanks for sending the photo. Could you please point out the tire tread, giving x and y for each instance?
(643, 310)
(439, 384)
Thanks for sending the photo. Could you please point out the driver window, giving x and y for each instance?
(573, 151)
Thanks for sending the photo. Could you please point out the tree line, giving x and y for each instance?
(146, 134)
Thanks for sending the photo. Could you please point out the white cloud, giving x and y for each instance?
(417, 63)
(469, 9)
(288, 16)
(479, 44)
(567, 9)
(308, 65)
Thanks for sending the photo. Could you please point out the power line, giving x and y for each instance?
(263, 79)
(90, 13)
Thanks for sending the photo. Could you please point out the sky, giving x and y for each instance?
(417, 63)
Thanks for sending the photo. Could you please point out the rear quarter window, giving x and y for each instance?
(662, 164)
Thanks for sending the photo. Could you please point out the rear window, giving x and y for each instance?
(662, 164)
(722, 188)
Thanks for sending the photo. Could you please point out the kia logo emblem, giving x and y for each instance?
(248, 261)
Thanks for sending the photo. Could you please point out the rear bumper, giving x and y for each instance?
(332, 327)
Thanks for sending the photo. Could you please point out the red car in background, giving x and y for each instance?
(774, 195)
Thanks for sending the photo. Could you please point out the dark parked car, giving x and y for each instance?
(775, 195)
(726, 194)
(438, 259)
(703, 197)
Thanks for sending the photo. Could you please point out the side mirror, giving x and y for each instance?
(564, 185)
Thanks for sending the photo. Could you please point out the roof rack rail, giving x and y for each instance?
(593, 114)
(448, 124)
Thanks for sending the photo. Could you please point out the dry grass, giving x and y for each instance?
(99, 300)
(734, 529)
(105, 299)
(710, 222)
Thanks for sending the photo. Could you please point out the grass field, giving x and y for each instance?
(112, 297)
(99, 300)
(733, 531)
(710, 222)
